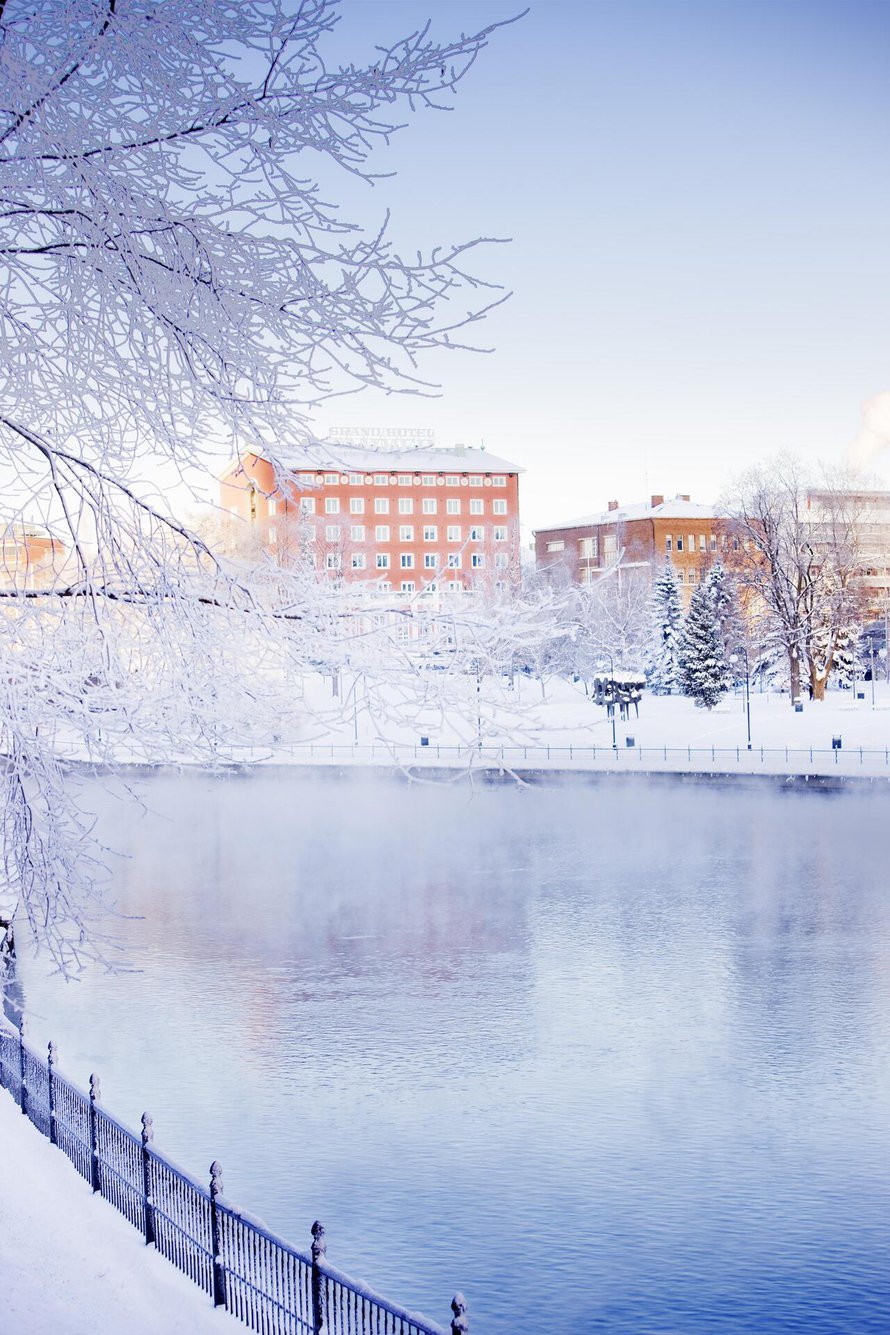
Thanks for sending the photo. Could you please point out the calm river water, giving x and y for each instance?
(608, 1059)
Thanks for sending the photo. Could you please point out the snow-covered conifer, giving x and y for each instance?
(704, 674)
(662, 669)
(725, 597)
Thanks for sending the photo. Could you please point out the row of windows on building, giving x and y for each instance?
(431, 561)
(428, 506)
(404, 479)
(431, 586)
(589, 576)
(382, 532)
(674, 542)
(588, 548)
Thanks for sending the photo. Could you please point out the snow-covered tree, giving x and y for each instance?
(704, 672)
(725, 597)
(174, 283)
(663, 659)
(796, 548)
(848, 663)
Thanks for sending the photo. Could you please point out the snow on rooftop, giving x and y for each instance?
(677, 507)
(366, 459)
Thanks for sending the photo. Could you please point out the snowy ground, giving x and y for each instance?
(524, 725)
(71, 1263)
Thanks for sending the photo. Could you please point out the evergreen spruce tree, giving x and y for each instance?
(726, 607)
(704, 673)
(662, 669)
(847, 655)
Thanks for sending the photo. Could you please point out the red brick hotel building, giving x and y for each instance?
(405, 521)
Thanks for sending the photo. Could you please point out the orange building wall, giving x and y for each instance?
(249, 490)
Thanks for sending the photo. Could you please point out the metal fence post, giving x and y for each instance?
(459, 1323)
(51, 1059)
(147, 1137)
(219, 1276)
(95, 1094)
(23, 1094)
(319, 1250)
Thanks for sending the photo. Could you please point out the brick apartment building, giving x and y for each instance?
(406, 521)
(30, 557)
(632, 537)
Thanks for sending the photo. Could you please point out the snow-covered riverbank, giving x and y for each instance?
(71, 1263)
(559, 727)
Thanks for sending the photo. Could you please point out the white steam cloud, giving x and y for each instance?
(875, 434)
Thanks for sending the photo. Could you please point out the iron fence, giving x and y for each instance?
(267, 1284)
(771, 759)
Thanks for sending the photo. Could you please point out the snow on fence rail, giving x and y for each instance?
(265, 1283)
(704, 759)
(776, 759)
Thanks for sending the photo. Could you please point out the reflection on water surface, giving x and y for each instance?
(608, 1059)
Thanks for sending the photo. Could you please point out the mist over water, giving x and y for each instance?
(612, 1058)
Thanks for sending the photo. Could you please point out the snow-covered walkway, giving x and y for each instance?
(70, 1264)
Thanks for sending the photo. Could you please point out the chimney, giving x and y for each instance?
(657, 500)
(613, 505)
(681, 497)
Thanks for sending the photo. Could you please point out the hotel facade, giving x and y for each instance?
(403, 521)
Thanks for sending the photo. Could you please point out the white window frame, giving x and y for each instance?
(332, 505)
(406, 505)
(406, 533)
(428, 505)
(406, 560)
(381, 505)
(499, 507)
(381, 533)
(382, 562)
(356, 505)
(453, 533)
(431, 533)
(477, 506)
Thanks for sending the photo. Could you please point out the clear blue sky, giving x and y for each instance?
(699, 200)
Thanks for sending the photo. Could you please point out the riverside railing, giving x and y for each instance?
(625, 757)
(822, 760)
(270, 1286)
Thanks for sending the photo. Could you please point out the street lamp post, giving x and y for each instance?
(733, 659)
(612, 697)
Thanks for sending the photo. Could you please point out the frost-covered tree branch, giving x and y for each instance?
(174, 280)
